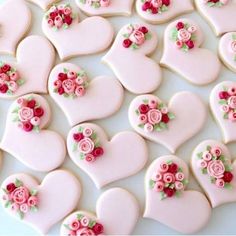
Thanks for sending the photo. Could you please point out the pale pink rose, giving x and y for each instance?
(15, 207)
(220, 183)
(20, 195)
(61, 7)
(216, 151)
(79, 80)
(153, 104)
(224, 1)
(33, 201)
(156, 3)
(69, 86)
(52, 9)
(179, 44)
(87, 132)
(206, 156)
(163, 167)
(90, 158)
(5, 197)
(233, 46)
(157, 176)
(12, 85)
(4, 77)
(225, 108)
(232, 102)
(86, 146)
(202, 164)
(67, 11)
(129, 29)
(216, 169)
(80, 91)
(14, 76)
(58, 22)
(104, 3)
(154, 116)
(168, 178)
(85, 232)
(57, 84)
(74, 225)
(232, 91)
(137, 37)
(50, 22)
(71, 75)
(72, 233)
(24, 208)
(179, 185)
(143, 119)
(25, 114)
(21, 102)
(164, 110)
(35, 121)
(148, 127)
(159, 186)
(84, 221)
(192, 29)
(184, 35)
(179, 176)
(232, 116)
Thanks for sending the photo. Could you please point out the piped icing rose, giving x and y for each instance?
(155, 6)
(215, 3)
(96, 3)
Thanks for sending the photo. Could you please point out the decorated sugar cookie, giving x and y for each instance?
(44, 4)
(183, 55)
(40, 206)
(25, 136)
(168, 202)
(104, 160)
(215, 170)
(77, 94)
(115, 205)
(168, 124)
(161, 11)
(73, 38)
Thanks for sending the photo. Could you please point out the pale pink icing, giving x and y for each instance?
(44, 4)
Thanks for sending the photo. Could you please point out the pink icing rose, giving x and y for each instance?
(184, 35)
(15, 207)
(74, 225)
(179, 176)
(206, 156)
(233, 46)
(142, 119)
(24, 208)
(86, 146)
(216, 151)
(90, 158)
(84, 221)
(202, 164)
(157, 177)
(69, 86)
(20, 195)
(61, 7)
(225, 108)
(164, 110)
(163, 168)
(168, 178)
(216, 169)
(153, 104)
(129, 29)
(4, 77)
(71, 75)
(232, 91)
(14, 76)
(159, 186)
(148, 127)
(154, 116)
(57, 84)
(80, 80)
(58, 22)
(192, 29)
(179, 44)
(156, 3)
(232, 116)
(12, 85)
(232, 102)
(87, 132)
(85, 232)
(80, 91)
(179, 185)
(224, 1)
(67, 11)
(220, 183)
(50, 22)
(137, 37)
(35, 121)
(25, 114)
(72, 233)
(32, 201)
(104, 3)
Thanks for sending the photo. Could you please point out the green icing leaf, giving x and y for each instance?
(163, 195)
(208, 148)
(185, 182)
(223, 102)
(16, 110)
(137, 112)
(174, 34)
(178, 194)
(67, 226)
(185, 48)
(204, 171)
(226, 116)
(18, 183)
(34, 192)
(134, 46)
(164, 8)
(163, 125)
(228, 186)
(199, 155)
(92, 223)
(36, 129)
(151, 183)
(75, 147)
(79, 216)
(148, 36)
(141, 126)
(20, 82)
(213, 180)
(65, 70)
(126, 36)
(169, 162)
(7, 204)
(145, 101)
(34, 208)
(234, 37)
(21, 215)
(171, 115)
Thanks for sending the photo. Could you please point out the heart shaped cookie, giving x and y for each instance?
(30, 72)
(25, 137)
(11, 13)
(73, 38)
(170, 125)
(78, 97)
(127, 58)
(44, 4)
(168, 202)
(106, 7)
(162, 11)
(212, 167)
(103, 160)
(220, 14)
(114, 205)
(183, 55)
(40, 206)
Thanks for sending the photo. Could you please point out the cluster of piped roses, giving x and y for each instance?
(184, 36)
(88, 145)
(213, 163)
(228, 103)
(83, 226)
(233, 45)
(20, 199)
(71, 84)
(28, 114)
(155, 6)
(9, 79)
(96, 3)
(215, 3)
(153, 116)
(168, 180)
(135, 36)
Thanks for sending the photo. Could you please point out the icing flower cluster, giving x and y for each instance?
(168, 180)
(71, 84)
(213, 163)
(135, 36)
(184, 36)
(28, 114)
(10, 79)
(84, 226)
(87, 143)
(153, 116)
(233, 46)
(215, 3)
(20, 199)
(96, 3)
(228, 103)
(155, 6)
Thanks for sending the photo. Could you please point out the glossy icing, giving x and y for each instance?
(44, 4)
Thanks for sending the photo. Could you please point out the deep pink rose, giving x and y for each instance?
(232, 116)
(156, 3)
(20, 195)
(85, 232)
(179, 176)
(216, 151)
(159, 186)
(154, 116)
(216, 169)
(75, 225)
(25, 114)
(68, 86)
(104, 3)
(168, 178)
(86, 146)
(232, 102)
(33, 201)
(184, 35)
(137, 37)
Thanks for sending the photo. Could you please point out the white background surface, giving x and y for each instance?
(223, 218)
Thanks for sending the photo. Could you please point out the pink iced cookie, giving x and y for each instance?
(13, 13)
(104, 160)
(161, 11)
(211, 165)
(78, 97)
(127, 58)
(183, 55)
(169, 125)
(168, 202)
(73, 38)
(220, 14)
(44, 4)
(25, 137)
(117, 214)
(40, 206)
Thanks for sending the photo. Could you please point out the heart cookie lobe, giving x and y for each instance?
(127, 59)
(168, 202)
(37, 205)
(104, 160)
(44, 4)
(25, 136)
(183, 55)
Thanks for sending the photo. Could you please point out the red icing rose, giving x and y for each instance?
(39, 112)
(143, 109)
(27, 126)
(78, 136)
(173, 168)
(3, 88)
(98, 151)
(11, 187)
(169, 192)
(98, 228)
(228, 177)
(31, 103)
(62, 76)
(5, 68)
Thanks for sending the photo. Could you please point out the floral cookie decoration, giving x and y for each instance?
(233, 46)
(155, 6)
(96, 3)
(215, 3)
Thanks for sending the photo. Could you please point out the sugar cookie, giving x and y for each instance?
(44, 4)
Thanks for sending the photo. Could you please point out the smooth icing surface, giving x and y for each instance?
(138, 73)
(44, 4)
(124, 155)
(88, 107)
(217, 196)
(187, 213)
(190, 115)
(53, 206)
(192, 63)
(111, 207)
(32, 148)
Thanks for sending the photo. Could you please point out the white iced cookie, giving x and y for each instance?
(219, 13)
(25, 75)
(77, 96)
(161, 11)
(168, 202)
(183, 55)
(25, 136)
(215, 170)
(106, 7)
(44, 4)
(73, 38)
(168, 124)
(127, 58)
(117, 213)
(104, 160)
(40, 205)
(13, 13)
